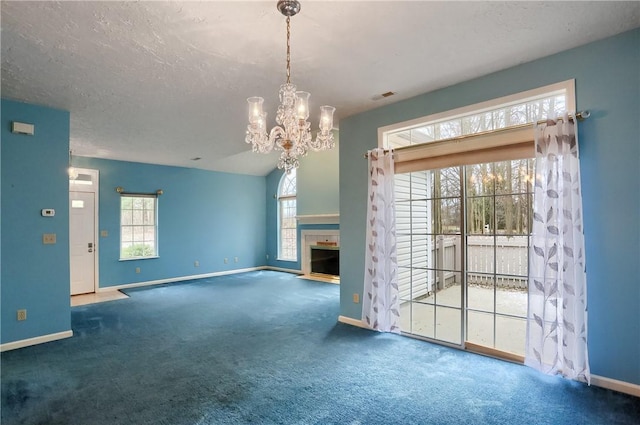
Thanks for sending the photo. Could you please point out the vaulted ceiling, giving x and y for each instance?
(166, 82)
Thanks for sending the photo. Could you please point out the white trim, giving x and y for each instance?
(35, 340)
(615, 385)
(95, 189)
(179, 279)
(197, 276)
(567, 86)
(151, 257)
(282, 269)
(318, 219)
(353, 322)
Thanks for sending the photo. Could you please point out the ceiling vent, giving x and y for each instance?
(383, 95)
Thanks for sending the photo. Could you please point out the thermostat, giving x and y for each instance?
(48, 212)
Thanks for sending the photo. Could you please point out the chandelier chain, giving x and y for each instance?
(288, 50)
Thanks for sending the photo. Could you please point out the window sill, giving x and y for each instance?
(139, 258)
(287, 260)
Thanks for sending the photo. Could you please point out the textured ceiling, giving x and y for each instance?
(164, 82)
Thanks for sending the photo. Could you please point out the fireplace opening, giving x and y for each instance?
(325, 260)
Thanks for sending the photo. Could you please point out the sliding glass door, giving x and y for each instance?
(429, 240)
(498, 223)
(463, 235)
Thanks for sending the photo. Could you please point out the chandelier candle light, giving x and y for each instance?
(292, 135)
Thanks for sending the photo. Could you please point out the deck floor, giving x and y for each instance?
(438, 316)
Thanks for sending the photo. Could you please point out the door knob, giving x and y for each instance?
(90, 246)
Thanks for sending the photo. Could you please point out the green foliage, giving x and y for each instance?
(138, 250)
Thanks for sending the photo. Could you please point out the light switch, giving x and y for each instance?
(104, 233)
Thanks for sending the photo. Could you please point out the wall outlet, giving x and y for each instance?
(356, 298)
(137, 269)
(235, 259)
(196, 263)
(267, 256)
(22, 314)
(226, 261)
(49, 238)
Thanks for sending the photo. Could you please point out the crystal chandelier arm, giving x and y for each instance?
(276, 137)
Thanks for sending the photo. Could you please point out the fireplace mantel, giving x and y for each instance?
(318, 219)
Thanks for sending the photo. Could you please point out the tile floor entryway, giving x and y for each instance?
(98, 297)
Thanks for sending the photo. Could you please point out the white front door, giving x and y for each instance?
(82, 245)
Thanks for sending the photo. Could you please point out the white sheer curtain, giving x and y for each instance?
(380, 305)
(557, 316)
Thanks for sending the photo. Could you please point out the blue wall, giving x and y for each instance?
(607, 75)
(34, 176)
(203, 216)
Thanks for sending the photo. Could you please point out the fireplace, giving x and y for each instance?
(325, 260)
(321, 240)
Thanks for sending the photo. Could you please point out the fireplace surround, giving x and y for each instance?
(317, 238)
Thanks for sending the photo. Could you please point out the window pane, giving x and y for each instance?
(138, 232)
(503, 116)
(448, 324)
(480, 216)
(512, 255)
(509, 299)
(509, 332)
(480, 254)
(126, 234)
(287, 224)
(138, 226)
(149, 233)
(418, 319)
(137, 217)
(126, 217)
(148, 217)
(480, 292)
(480, 328)
(445, 183)
(450, 216)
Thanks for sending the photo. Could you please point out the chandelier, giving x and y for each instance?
(292, 135)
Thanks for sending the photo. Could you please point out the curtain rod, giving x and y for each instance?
(121, 191)
(581, 116)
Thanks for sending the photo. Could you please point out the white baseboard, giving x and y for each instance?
(615, 385)
(282, 269)
(352, 322)
(178, 279)
(35, 341)
(598, 381)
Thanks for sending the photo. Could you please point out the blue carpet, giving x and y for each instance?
(265, 348)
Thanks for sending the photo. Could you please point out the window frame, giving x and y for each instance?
(155, 253)
(282, 198)
(566, 87)
(502, 144)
